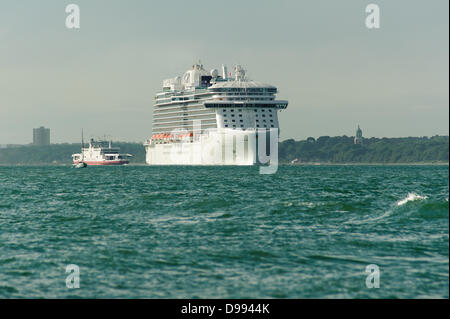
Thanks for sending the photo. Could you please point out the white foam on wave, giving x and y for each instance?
(411, 197)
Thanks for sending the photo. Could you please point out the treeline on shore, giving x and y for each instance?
(325, 149)
(342, 149)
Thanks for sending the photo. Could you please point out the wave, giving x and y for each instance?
(411, 197)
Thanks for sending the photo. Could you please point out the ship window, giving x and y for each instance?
(271, 115)
(240, 110)
(271, 125)
(262, 110)
(232, 110)
(257, 125)
(224, 110)
(234, 126)
(270, 111)
(241, 121)
(225, 115)
(233, 121)
(226, 120)
(264, 115)
(271, 120)
(240, 115)
(264, 121)
(226, 125)
(232, 115)
(257, 120)
(242, 125)
(256, 110)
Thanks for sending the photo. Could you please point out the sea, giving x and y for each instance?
(319, 231)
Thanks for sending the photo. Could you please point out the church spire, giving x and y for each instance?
(358, 137)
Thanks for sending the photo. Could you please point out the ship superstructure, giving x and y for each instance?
(100, 153)
(200, 118)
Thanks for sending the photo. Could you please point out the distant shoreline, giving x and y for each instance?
(280, 164)
(370, 164)
(325, 150)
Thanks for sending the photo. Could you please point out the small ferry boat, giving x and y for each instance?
(100, 153)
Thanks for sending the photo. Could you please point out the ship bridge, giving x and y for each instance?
(244, 94)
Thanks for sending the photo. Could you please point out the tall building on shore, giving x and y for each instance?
(41, 136)
(358, 136)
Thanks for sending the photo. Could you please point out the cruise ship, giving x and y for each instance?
(213, 118)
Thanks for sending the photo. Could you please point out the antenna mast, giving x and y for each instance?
(82, 145)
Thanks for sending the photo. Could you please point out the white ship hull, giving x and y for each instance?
(219, 148)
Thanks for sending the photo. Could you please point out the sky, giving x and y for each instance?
(334, 71)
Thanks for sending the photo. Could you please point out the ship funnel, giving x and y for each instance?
(224, 72)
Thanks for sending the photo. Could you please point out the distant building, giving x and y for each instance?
(358, 137)
(41, 136)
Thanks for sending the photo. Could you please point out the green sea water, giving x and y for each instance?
(224, 232)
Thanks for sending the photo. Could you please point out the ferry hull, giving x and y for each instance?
(104, 163)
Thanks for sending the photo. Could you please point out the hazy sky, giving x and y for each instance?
(335, 72)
